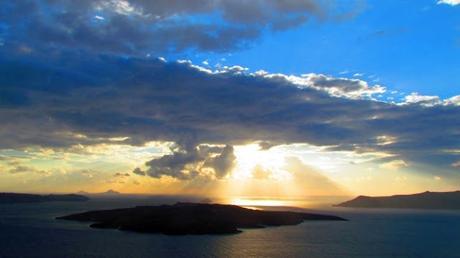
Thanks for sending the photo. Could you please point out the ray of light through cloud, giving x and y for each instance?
(207, 97)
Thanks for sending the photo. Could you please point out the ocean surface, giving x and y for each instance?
(30, 230)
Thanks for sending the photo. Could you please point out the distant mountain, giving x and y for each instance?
(31, 198)
(110, 192)
(192, 218)
(206, 200)
(426, 200)
(83, 193)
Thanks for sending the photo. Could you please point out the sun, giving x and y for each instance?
(251, 156)
(259, 177)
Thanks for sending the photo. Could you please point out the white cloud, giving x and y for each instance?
(455, 101)
(121, 7)
(449, 2)
(394, 164)
(337, 87)
(26, 169)
(383, 140)
(430, 101)
(456, 164)
(415, 98)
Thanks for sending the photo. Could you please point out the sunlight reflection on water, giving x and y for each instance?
(31, 231)
(304, 203)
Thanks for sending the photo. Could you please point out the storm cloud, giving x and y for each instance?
(89, 99)
(204, 161)
(139, 27)
(79, 73)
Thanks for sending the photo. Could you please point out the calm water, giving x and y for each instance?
(29, 230)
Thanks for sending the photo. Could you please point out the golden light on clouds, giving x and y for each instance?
(269, 177)
(383, 140)
(250, 157)
(394, 164)
(277, 173)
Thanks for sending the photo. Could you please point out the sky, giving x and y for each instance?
(270, 99)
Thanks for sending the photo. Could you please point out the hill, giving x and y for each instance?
(425, 200)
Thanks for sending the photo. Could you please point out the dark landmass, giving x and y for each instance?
(426, 200)
(82, 193)
(192, 218)
(7, 198)
(108, 193)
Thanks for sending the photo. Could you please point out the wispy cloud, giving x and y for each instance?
(449, 2)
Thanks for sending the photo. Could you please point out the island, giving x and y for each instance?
(11, 198)
(192, 218)
(108, 193)
(425, 200)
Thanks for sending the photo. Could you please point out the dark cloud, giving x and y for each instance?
(223, 163)
(103, 96)
(140, 26)
(139, 172)
(351, 88)
(202, 160)
(121, 175)
(265, 145)
(57, 90)
(25, 169)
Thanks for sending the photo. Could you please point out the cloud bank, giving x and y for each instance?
(139, 27)
(76, 73)
(67, 99)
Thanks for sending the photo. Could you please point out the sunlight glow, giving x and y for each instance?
(271, 161)
(252, 202)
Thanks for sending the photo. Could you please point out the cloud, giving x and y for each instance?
(449, 2)
(185, 164)
(342, 87)
(121, 175)
(85, 173)
(139, 172)
(428, 101)
(222, 163)
(137, 27)
(25, 169)
(338, 87)
(415, 98)
(66, 99)
(456, 164)
(455, 100)
(394, 164)
(261, 173)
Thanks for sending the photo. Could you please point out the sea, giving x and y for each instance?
(31, 230)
